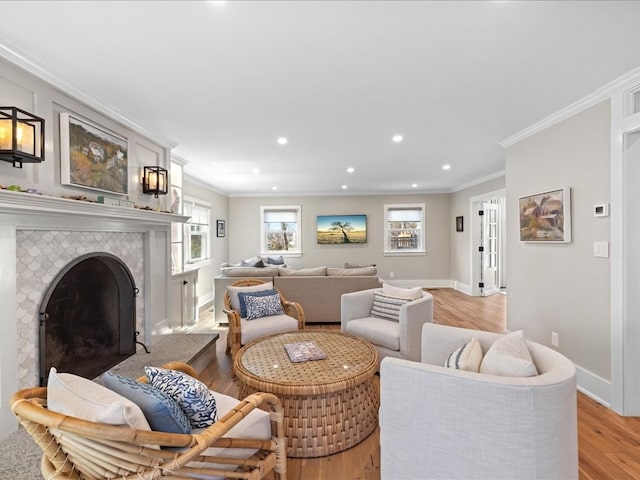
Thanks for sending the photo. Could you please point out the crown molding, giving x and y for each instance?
(500, 173)
(12, 55)
(200, 183)
(179, 160)
(601, 94)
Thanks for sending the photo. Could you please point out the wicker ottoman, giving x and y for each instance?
(330, 405)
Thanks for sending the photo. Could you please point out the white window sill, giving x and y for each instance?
(284, 254)
(197, 265)
(412, 253)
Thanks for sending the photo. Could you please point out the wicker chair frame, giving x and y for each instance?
(75, 449)
(234, 336)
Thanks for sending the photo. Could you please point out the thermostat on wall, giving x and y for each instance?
(601, 210)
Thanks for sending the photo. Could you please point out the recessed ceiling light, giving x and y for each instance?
(282, 140)
(397, 138)
(255, 171)
(344, 187)
(446, 167)
(351, 170)
(274, 188)
(414, 185)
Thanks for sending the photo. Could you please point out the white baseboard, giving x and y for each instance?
(208, 298)
(594, 386)
(462, 287)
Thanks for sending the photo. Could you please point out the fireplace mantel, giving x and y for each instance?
(21, 206)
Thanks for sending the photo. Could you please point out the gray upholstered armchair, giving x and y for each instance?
(391, 338)
(441, 423)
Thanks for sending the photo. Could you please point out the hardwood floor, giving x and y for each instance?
(608, 444)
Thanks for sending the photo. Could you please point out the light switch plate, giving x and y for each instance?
(601, 249)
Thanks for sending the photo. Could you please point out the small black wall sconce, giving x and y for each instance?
(155, 181)
(20, 135)
(459, 224)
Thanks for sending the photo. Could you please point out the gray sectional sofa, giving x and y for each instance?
(317, 289)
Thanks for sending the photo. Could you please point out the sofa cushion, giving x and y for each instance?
(279, 260)
(410, 293)
(466, 357)
(509, 356)
(191, 394)
(249, 271)
(387, 307)
(352, 272)
(251, 330)
(234, 300)
(79, 397)
(161, 411)
(263, 306)
(252, 262)
(243, 295)
(377, 331)
(309, 272)
(357, 265)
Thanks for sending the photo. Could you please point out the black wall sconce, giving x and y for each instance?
(154, 181)
(20, 133)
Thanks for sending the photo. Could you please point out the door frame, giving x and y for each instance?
(475, 205)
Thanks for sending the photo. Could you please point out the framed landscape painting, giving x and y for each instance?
(341, 229)
(546, 217)
(92, 156)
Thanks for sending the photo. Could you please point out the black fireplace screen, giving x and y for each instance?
(87, 317)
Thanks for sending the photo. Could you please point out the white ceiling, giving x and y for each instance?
(223, 80)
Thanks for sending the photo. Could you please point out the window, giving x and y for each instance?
(404, 229)
(196, 230)
(280, 230)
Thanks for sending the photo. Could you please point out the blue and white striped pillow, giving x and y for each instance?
(386, 306)
(467, 357)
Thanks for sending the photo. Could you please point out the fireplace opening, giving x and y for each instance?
(87, 317)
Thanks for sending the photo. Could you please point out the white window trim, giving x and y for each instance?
(263, 246)
(421, 250)
(187, 237)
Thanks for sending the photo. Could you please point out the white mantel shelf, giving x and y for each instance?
(20, 203)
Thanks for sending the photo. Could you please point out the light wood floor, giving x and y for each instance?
(609, 445)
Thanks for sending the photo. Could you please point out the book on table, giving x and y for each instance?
(304, 351)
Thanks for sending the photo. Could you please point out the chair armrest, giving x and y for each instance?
(356, 305)
(297, 310)
(412, 316)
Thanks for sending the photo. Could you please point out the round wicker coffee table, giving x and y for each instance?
(330, 405)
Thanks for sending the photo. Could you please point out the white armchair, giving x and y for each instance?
(399, 339)
(440, 423)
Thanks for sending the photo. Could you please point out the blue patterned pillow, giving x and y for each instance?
(160, 410)
(260, 293)
(258, 307)
(191, 394)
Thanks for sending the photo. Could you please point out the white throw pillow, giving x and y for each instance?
(467, 357)
(410, 293)
(233, 292)
(79, 397)
(509, 357)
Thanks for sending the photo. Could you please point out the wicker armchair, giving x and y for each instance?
(76, 449)
(242, 331)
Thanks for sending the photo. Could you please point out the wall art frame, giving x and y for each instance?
(545, 217)
(220, 228)
(92, 156)
(341, 229)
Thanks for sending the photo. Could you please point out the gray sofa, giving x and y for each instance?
(319, 295)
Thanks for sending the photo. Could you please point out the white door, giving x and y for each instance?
(489, 249)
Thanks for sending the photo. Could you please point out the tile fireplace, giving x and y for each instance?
(40, 237)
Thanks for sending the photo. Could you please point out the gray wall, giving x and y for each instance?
(461, 241)
(563, 287)
(244, 229)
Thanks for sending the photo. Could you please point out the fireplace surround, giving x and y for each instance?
(39, 237)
